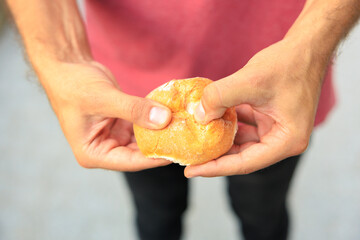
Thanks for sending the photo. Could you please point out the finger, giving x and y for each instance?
(239, 148)
(126, 159)
(245, 114)
(246, 133)
(133, 139)
(242, 87)
(264, 123)
(144, 112)
(272, 149)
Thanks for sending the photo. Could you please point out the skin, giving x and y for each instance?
(95, 115)
(276, 93)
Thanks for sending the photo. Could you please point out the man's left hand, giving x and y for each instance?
(276, 96)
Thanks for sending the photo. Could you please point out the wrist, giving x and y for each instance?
(308, 52)
(52, 32)
(45, 59)
(47, 54)
(313, 41)
(47, 51)
(322, 25)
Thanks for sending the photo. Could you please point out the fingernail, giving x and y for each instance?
(158, 115)
(200, 113)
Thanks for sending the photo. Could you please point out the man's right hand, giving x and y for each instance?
(96, 116)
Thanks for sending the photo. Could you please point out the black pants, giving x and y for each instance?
(258, 199)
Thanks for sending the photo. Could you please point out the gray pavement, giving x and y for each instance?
(45, 195)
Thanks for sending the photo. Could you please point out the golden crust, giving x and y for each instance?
(185, 141)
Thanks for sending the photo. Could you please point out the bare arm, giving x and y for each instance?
(51, 30)
(323, 24)
(278, 90)
(95, 115)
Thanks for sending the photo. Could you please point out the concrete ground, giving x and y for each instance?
(44, 194)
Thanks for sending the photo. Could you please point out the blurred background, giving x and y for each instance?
(45, 194)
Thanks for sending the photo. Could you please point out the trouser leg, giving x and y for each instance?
(259, 200)
(160, 197)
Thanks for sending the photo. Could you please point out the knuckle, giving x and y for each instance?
(300, 142)
(260, 83)
(255, 80)
(136, 109)
(211, 97)
(84, 163)
(302, 145)
(260, 80)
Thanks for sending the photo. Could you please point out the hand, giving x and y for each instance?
(96, 117)
(276, 95)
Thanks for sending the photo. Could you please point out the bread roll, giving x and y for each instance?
(185, 141)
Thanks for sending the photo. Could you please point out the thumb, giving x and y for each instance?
(141, 111)
(238, 88)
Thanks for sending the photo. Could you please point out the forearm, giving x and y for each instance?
(323, 24)
(51, 31)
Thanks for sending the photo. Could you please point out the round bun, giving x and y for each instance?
(185, 141)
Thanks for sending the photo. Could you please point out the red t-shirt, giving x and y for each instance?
(149, 42)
